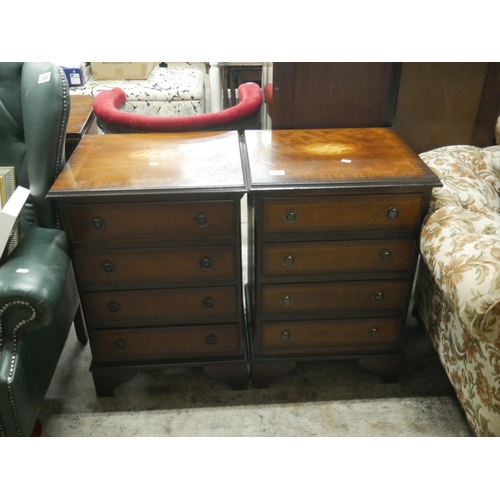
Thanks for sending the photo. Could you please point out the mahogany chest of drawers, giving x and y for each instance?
(334, 221)
(154, 221)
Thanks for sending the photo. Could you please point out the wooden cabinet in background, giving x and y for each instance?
(429, 104)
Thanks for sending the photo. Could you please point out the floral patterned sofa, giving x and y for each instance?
(457, 294)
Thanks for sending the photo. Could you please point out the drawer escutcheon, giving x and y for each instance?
(285, 335)
(291, 216)
(202, 220)
(120, 345)
(385, 256)
(211, 340)
(392, 213)
(209, 303)
(113, 307)
(107, 267)
(97, 224)
(206, 263)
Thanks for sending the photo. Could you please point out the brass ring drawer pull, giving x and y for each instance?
(201, 220)
(291, 216)
(392, 213)
(288, 260)
(285, 335)
(373, 331)
(209, 303)
(120, 345)
(114, 307)
(286, 300)
(97, 224)
(107, 267)
(211, 340)
(385, 256)
(206, 263)
(378, 296)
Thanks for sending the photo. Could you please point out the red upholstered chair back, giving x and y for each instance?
(111, 119)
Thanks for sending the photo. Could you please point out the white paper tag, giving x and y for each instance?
(276, 172)
(345, 161)
(75, 78)
(23, 271)
(44, 78)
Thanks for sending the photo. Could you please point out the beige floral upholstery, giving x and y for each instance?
(458, 287)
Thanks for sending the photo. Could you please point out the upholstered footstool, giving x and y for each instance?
(167, 92)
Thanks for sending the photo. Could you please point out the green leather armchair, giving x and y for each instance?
(39, 304)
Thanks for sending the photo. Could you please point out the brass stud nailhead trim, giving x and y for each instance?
(14, 355)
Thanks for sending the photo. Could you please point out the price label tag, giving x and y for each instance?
(44, 78)
(276, 172)
(75, 78)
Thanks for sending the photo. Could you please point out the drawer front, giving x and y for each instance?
(151, 221)
(150, 265)
(342, 213)
(337, 257)
(188, 342)
(168, 306)
(334, 297)
(327, 337)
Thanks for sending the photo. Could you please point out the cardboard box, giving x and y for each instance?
(122, 71)
(77, 74)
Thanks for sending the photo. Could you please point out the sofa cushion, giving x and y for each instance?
(460, 240)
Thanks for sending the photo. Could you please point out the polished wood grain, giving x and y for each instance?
(334, 94)
(102, 222)
(166, 306)
(359, 256)
(337, 213)
(203, 341)
(154, 226)
(333, 157)
(334, 216)
(80, 117)
(145, 163)
(438, 103)
(155, 265)
(355, 296)
(328, 336)
(81, 121)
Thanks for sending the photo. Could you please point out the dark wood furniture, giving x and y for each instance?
(334, 219)
(333, 95)
(153, 222)
(429, 104)
(441, 104)
(81, 121)
(233, 74)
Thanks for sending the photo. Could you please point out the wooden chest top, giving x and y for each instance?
(149, 163)
(333, 157)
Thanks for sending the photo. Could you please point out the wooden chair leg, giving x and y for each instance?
(80, 328)
(37, 429)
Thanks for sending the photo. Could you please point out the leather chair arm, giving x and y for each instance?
(32, 280)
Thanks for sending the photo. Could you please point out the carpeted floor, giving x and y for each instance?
(316, 399)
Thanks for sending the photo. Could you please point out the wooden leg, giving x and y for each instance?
(235, 374)
(264, 372)
(385, 367)
(107, 379)
(80, 328)
(37, 429)
(416, 315)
